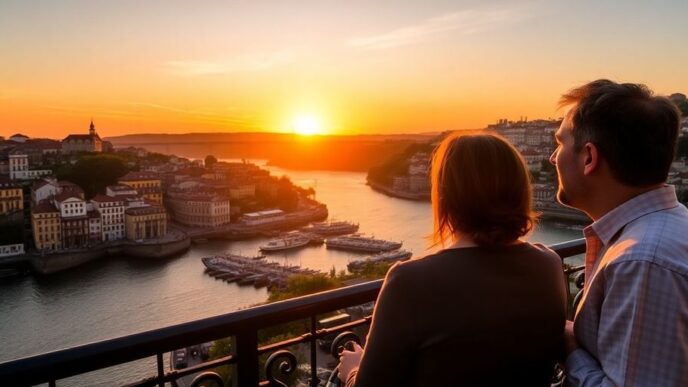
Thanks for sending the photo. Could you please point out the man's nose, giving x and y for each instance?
(553, 157)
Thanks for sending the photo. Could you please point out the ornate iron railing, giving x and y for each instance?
(242, 325)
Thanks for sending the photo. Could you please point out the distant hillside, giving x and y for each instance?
(352, 153)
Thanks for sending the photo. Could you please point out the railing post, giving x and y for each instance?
(314, 355)
(161, 370)
(246, 372)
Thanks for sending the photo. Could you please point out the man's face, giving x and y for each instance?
(568, 164)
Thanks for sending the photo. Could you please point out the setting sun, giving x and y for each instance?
(307, 125)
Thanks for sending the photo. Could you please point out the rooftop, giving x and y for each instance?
(44, 207)
(133, 176)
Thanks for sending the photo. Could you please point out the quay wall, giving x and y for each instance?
(157, 250)
(53, 263)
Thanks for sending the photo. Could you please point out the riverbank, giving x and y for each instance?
(418, 196)
(172, 245)
(552, 211)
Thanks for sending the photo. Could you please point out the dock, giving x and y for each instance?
(246, 271)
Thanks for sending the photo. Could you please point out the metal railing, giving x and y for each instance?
(243, 325)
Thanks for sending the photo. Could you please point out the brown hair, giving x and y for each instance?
(481, 189)
(634, 130)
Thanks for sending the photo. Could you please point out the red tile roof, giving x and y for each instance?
(44, 207)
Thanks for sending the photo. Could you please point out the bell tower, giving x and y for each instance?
(92, 129)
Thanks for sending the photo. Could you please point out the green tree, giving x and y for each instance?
(94, 172)
(222, 348)
(301, 284)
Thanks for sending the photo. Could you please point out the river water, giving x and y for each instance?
(115, 297)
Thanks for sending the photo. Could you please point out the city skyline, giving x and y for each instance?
(319, 66)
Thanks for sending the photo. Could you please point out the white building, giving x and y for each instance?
(19, 168)
(70, 205)
(111, 211)
(44, 189)
(10, 250)
(262, 217)
(120, 190)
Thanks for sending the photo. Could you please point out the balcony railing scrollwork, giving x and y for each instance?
(242, 325)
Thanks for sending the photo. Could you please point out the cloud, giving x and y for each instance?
(242, 63)
(462, 22)
(228, 116)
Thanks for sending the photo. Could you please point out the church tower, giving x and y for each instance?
(92, 129)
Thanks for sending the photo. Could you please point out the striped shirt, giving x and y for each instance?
(632, 322)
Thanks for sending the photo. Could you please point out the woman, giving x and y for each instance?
(487, 310)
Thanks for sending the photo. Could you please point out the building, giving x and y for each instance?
(239, 190)
(11, 196)
(263, 217)
(10, 250)
(147, 184)
(146, 222)
(43, 189)
(19, 138)
(73, 220)
(19, 168)
(120, 190)
(400, 183)
(95, 230)
(90, 142)
(46, 226)
(201, 208)
(419, 182)
(534, 158)
(70, 204)
(111, 211)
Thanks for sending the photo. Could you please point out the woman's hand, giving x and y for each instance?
(349, 361)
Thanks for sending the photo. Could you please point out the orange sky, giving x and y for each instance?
(355, 66)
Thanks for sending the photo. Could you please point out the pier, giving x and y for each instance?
(254, 271)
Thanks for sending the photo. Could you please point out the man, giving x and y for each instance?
(614, 150)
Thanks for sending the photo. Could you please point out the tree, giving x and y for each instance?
(210, 160)
(94, 172)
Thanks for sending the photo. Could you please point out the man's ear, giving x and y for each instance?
(591, 158)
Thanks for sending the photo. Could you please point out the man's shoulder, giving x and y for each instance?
(659, 238)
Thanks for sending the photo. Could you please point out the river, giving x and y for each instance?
(115, 297)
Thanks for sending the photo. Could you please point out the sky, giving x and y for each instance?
(342, 67)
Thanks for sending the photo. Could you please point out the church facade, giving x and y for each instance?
(90, 142)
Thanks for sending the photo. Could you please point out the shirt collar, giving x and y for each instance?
(656, 200)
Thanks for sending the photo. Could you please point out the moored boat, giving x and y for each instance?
(285, 243)
(332, 228)
(357, 242)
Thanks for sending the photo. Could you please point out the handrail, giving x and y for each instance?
(243, 324)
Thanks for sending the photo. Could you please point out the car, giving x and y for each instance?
(180, 360)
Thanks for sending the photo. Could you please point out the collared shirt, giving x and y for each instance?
(632, 322)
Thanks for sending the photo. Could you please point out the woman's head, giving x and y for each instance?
(480, 189)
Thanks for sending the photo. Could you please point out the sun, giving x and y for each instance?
(307, 125)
